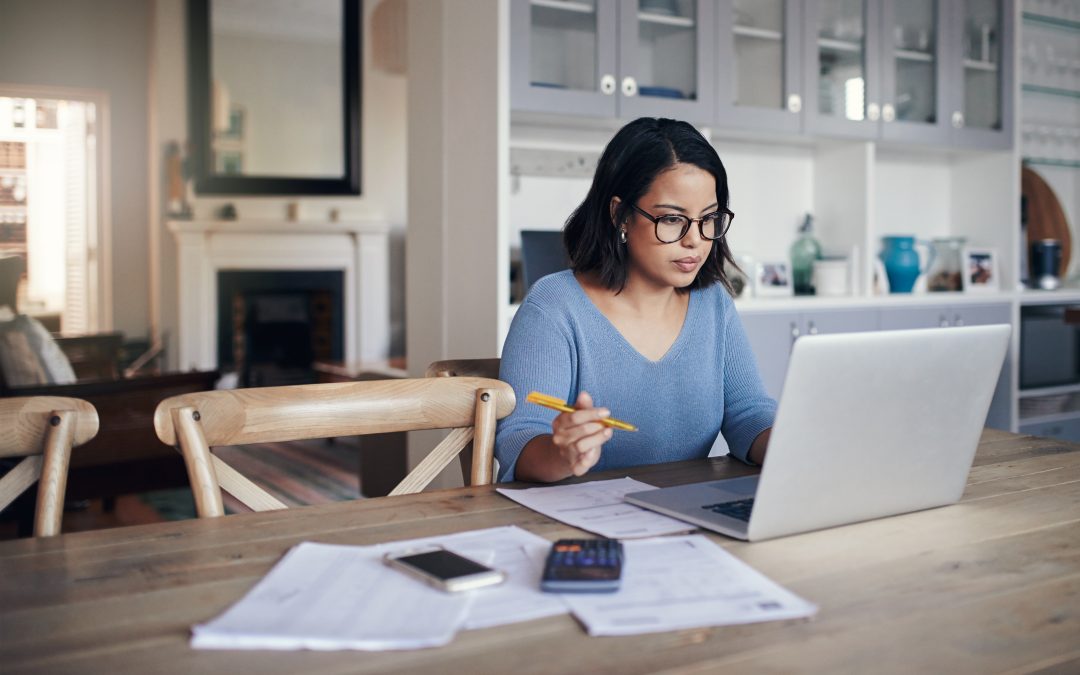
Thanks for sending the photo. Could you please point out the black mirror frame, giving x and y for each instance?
(207, 182)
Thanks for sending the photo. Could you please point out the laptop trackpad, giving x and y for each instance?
(737, 488)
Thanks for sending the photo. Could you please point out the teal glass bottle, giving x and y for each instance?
(804, 252)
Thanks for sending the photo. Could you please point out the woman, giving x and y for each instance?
(641, 323)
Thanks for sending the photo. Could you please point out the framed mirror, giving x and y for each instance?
(274, 91)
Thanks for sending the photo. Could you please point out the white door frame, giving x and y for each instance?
(100, 254)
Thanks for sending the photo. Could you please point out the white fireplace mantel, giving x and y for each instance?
(359, 249)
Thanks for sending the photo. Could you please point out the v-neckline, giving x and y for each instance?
(673, 349)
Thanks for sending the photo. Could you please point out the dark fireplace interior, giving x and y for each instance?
(273, 325)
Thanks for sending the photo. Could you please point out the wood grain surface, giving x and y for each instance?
(990, 585)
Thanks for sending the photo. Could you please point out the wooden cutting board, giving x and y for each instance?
(1046, 218)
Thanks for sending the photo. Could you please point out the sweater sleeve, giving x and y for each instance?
(538, 355)
(748, 410)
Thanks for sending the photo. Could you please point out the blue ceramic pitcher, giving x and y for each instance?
(901, 263)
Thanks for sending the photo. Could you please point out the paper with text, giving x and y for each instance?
(675, 583)
(598, 507)
(323, 596)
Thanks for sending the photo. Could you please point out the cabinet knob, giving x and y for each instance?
(607, 84)
(943, 321)
(958, 320)
(629, 86)
(873, 112)
(794, 103)
(812, 329)
(794, 332)
(958, 120)
(888, 112)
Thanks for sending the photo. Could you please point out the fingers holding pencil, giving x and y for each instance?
(578, 433)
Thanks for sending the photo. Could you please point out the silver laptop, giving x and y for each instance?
(869, 425)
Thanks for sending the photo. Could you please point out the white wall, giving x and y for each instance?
(383, 160)
(102, 45)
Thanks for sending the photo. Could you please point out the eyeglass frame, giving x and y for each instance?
(689, 223)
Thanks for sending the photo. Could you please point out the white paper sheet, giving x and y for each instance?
(598, 507)
(323, 596)
(674, 583)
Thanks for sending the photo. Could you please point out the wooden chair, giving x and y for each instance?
(42, 430)
(468, 406)
(466, 368)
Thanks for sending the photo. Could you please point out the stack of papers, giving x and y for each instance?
(323, 596)
(598, 507)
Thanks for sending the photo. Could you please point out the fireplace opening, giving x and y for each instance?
(273, 325)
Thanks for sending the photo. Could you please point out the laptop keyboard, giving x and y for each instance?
(739, 510)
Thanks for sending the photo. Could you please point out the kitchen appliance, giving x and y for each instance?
(1049, 346)
(1046, 264)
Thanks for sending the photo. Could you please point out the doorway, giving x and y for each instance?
(51, 210)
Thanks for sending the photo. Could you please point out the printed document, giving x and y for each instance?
(674, 583)
(598, 507)
(323, 596)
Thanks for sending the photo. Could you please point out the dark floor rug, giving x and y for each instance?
(298, 473)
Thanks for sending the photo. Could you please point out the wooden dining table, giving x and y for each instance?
(989, 585)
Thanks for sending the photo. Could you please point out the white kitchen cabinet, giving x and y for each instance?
(602, 58)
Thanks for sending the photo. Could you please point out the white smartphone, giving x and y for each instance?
(443, 569)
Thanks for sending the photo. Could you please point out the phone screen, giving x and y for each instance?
(443, 564)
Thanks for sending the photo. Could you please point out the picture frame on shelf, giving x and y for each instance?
(772, 278)
(981, 270)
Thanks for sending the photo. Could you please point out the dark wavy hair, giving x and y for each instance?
(639, 152)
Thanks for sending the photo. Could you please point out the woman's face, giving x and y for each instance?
(683, 189)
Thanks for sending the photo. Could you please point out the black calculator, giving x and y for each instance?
(583, 566)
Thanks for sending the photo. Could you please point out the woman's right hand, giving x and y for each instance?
(579, 435)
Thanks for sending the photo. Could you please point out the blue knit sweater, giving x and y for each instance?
(560, 344)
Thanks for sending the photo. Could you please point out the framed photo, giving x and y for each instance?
(772, 278)
(981, 270)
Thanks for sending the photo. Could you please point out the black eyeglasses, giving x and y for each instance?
(671, 227)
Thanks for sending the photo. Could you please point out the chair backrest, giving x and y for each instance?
(469, 406)
(467, 368)
(42, 430)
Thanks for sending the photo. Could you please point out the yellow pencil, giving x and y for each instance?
(560, 405)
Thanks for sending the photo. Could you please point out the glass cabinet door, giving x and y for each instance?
(913, 71)
(665, 58)
(563, 56)
(982, 107)
(842, 46)
(758, 64)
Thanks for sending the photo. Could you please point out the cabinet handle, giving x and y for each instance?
(794, 103)
(943, 321)
(629, 86)
(812, 330)
(958, 320)
(607, 84)
(873, 112)
(888, 112)
(958, 120)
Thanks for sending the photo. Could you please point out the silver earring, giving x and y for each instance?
(622, 236)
